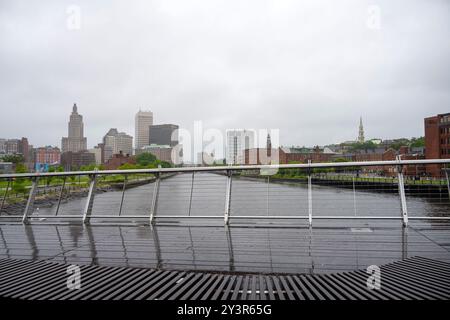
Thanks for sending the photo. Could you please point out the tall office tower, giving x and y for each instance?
(75, 141)
(164, 134)
(361, 138)
(24, 149)
(142, 122)
(115, 142)
(237, 142)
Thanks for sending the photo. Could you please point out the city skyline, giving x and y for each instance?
(95, 143)
(291, 66)
(242, 151)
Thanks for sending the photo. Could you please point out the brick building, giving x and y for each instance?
(303, 155)
(47, 155)
(75, 160)
(286, 155)
(289, 155)
(263, 156)
(166, 153)
(119, 159)
(437, 141)
(18, 147)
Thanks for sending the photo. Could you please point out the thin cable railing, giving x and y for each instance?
(377, 190)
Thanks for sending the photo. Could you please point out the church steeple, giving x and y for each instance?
(269, 146)
(74, 108)
(361, 138)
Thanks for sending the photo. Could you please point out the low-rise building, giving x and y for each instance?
(285, 155)
(119, 159)
(6, 167)
(16, 147)
(47, 155)
(75, 160)
(166, 153)
(97, 151)
(304, 155)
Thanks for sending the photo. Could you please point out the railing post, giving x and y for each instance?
(125, 177)
(190, 197)
(155, 198)
(448, 183)
(90, 199)
(4, 197)
(401, 191)
(404, 243)
(268, 185)
(228, 197)
(230, 247)
(60, 195)
(310, 211)
(157, 246)
(30, 201)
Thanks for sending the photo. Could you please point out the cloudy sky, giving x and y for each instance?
(308, 68)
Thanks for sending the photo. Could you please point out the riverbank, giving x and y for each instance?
(386, 185)
(47, 197)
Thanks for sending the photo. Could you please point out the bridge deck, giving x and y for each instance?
(413, 278)
(328, 247)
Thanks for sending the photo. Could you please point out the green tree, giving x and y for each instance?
(14, 158)
(21, 168)
(49, 179)
(417, 142)
(163, 164)
(368, 145)
(128, 166)
(19, 183)
(340, 160)
(91, 167)
(146, 158)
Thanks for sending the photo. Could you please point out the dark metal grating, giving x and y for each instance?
(409, 279)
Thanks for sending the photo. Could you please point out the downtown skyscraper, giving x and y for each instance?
(142, 122)
(238, 141)
(75, 141)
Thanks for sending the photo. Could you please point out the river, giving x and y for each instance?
(250, 198)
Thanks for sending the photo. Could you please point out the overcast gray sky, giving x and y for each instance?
(309, 68)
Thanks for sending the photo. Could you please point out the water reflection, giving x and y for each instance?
(226, 249)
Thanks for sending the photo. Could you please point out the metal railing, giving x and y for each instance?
(160, 187)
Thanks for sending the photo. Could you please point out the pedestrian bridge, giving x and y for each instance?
(296, 194)
(312, 219)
